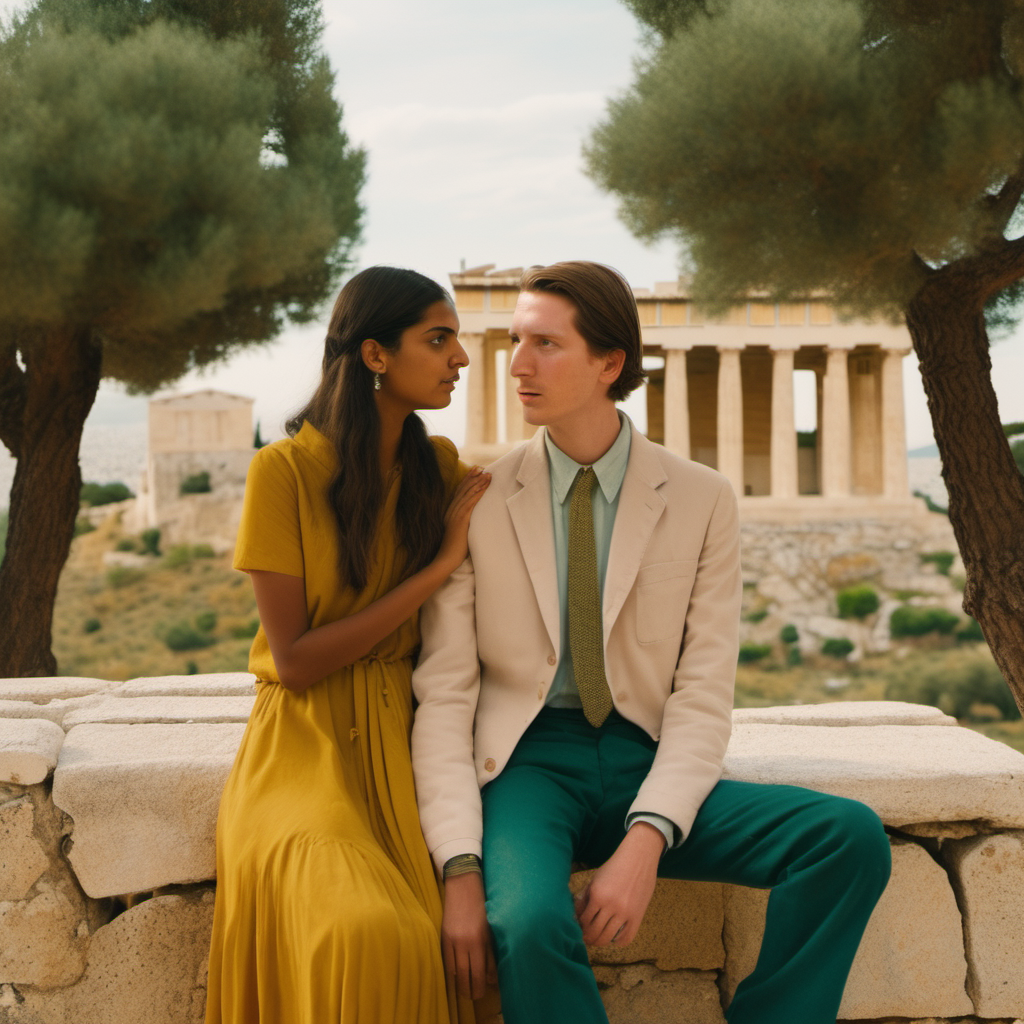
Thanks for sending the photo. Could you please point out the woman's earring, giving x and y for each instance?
(376, 382)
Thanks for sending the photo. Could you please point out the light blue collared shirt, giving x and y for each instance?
(610, 471)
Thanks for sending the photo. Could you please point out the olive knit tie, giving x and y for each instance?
(586, 641)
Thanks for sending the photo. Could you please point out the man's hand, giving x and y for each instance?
(466, 936)
(611, 908)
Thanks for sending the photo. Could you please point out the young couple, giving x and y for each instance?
(574, 682)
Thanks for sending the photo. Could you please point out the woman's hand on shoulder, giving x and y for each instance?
(455, 545)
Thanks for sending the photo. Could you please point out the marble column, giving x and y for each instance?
(476, 388)
(835, 425)
(730, 417)
(677, 403)
(516, 428)
(783, 448)
(894, 427)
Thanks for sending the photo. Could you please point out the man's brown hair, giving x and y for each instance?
(605, 316)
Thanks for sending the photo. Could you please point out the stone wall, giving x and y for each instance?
(108, 802)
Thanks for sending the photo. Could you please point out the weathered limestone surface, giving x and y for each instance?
(640, 992)
(682, 927)
(906, 773)
(42, 689)
(144, 802)
(911, 959)
(22, 859)
(40, 941)
(148, 966)
(989, 871)
(28, 749)
(845, 712)
(135, 710)
(216, 684)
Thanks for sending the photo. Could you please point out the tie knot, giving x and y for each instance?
(585, 480)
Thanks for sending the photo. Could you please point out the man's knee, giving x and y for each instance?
(859, 841)
(523, 920)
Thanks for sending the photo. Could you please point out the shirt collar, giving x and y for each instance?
(610, 469)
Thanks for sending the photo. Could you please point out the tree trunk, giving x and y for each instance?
(986, 490)
(62, 375)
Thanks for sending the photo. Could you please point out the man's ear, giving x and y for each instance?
(373, 356)
(614, 360)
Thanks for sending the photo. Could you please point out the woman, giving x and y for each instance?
(327, 905)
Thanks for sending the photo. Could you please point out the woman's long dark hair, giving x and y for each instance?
(379, 303)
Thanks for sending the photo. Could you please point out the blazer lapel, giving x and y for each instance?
(530, 510)
(640, 508)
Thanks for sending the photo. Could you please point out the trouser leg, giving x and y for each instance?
(535, 813)
(826, 860)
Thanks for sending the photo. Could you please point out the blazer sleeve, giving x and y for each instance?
(697, 721)
(446, 682)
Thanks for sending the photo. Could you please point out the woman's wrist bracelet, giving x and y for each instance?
(463, 864)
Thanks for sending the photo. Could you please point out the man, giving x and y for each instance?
(575, 687)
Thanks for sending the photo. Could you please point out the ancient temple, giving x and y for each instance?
(721, 392)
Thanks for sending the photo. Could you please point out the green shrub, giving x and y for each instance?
(942, 560)
(206, 621)
(203, 551)
(930, 504)
(191, 668)
(246, 632)
(125, 544)
(794, 657)
(83, 525)
(123, 576)
(788, 634)
(183, 636)
(757, 615)
(956, 685)
(91, 625)
(970, 631)
(753, 652)
(908, 620)
(836, 647)
(150, 541)
(93, 494)
(857, 602)
(180, 554)
(197, 483)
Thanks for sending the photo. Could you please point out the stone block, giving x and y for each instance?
(55, 710)
(214, 684)
(144, 802)
(28, 749)
(22, 860)
(989, 874)
(42, 689)
(911, 958)
(147, 966)
(682, 927)
(40, 942)
(641, 994)
(134, 710)
(906, 773)
(845, 712)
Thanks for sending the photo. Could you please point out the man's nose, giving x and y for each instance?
(517, 364)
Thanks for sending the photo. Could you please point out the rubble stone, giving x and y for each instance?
(28, 749)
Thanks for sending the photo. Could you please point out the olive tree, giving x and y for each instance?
(174, 184)
(872, 150)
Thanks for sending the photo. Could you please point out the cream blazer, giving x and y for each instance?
(491, 636)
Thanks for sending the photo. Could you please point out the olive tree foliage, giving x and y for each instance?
(872, 150)
(175, 184)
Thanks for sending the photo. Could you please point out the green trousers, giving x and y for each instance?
(564, 797)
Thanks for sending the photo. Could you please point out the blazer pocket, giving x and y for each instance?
(662, 595)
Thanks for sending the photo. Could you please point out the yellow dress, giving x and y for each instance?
(328, 909)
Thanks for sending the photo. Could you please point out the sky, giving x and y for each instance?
(473, 115)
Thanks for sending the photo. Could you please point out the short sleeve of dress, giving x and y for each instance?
(269, 536)
(452, 470)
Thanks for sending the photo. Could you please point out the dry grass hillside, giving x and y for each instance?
(184, 611)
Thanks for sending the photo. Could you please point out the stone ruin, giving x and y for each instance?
(109, 803)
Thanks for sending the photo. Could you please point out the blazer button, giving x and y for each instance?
(489, 764)
(551, 659)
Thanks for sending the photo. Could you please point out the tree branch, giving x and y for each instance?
(1002, 205)
(12, 398)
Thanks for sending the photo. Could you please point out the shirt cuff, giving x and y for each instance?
(671, 832)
